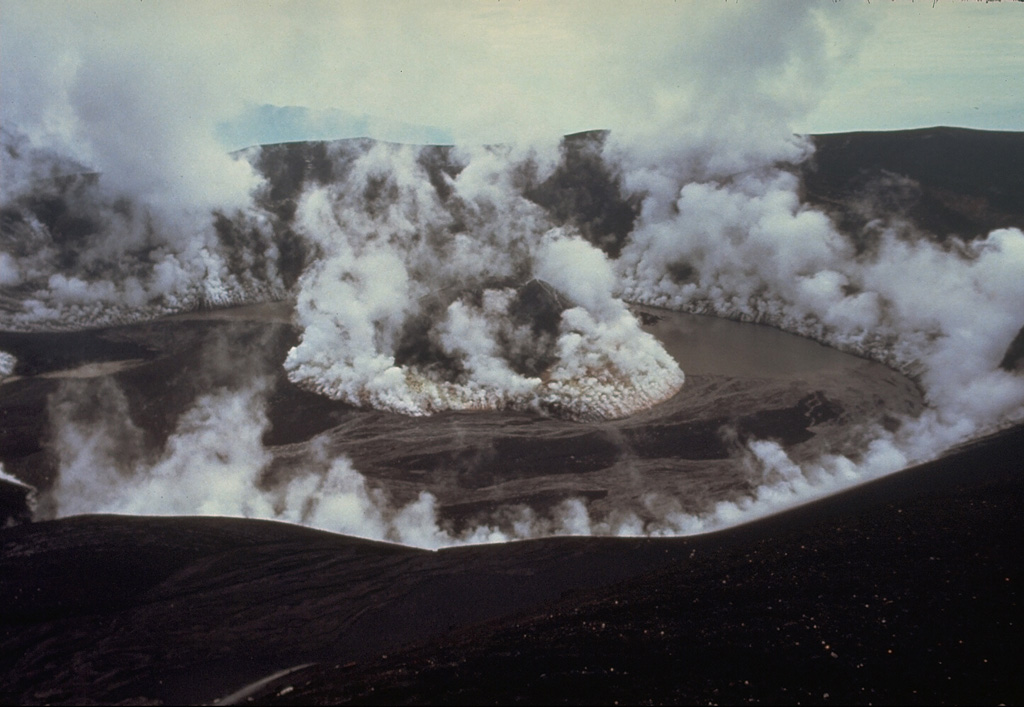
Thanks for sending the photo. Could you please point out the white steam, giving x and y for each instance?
(395, 255)
(109, 95)
(214, 464)
(742, 246)
(4, 476)
(413, 297)
(747, 249)
(97, 117)
(7, 364)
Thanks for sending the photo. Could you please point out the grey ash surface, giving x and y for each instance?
(906, 590)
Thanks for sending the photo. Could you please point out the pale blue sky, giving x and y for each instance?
(84, 73)
(949, 63)
(898, 65)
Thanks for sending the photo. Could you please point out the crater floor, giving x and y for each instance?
(744, 382)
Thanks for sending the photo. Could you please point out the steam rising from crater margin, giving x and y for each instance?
(720, 230)
(742, 247)
(141, 243)
(214, 463)
(407, 264)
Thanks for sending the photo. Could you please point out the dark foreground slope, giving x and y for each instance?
(906, 590)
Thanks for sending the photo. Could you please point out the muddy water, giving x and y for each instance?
(702, 345)
(705, 345)
(744, 382)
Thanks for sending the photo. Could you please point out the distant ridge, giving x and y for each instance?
(945, 180)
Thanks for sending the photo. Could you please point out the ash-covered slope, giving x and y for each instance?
(906, 590)
(948, 181)
(884, 594)
(953, 184)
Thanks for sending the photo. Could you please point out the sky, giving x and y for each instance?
(234, 73)
(951, 63)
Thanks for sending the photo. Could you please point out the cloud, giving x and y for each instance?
(165, 74)
(957, 63)
(129, 90)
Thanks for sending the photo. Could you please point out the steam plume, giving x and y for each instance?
(429, 279)
(410, 264)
